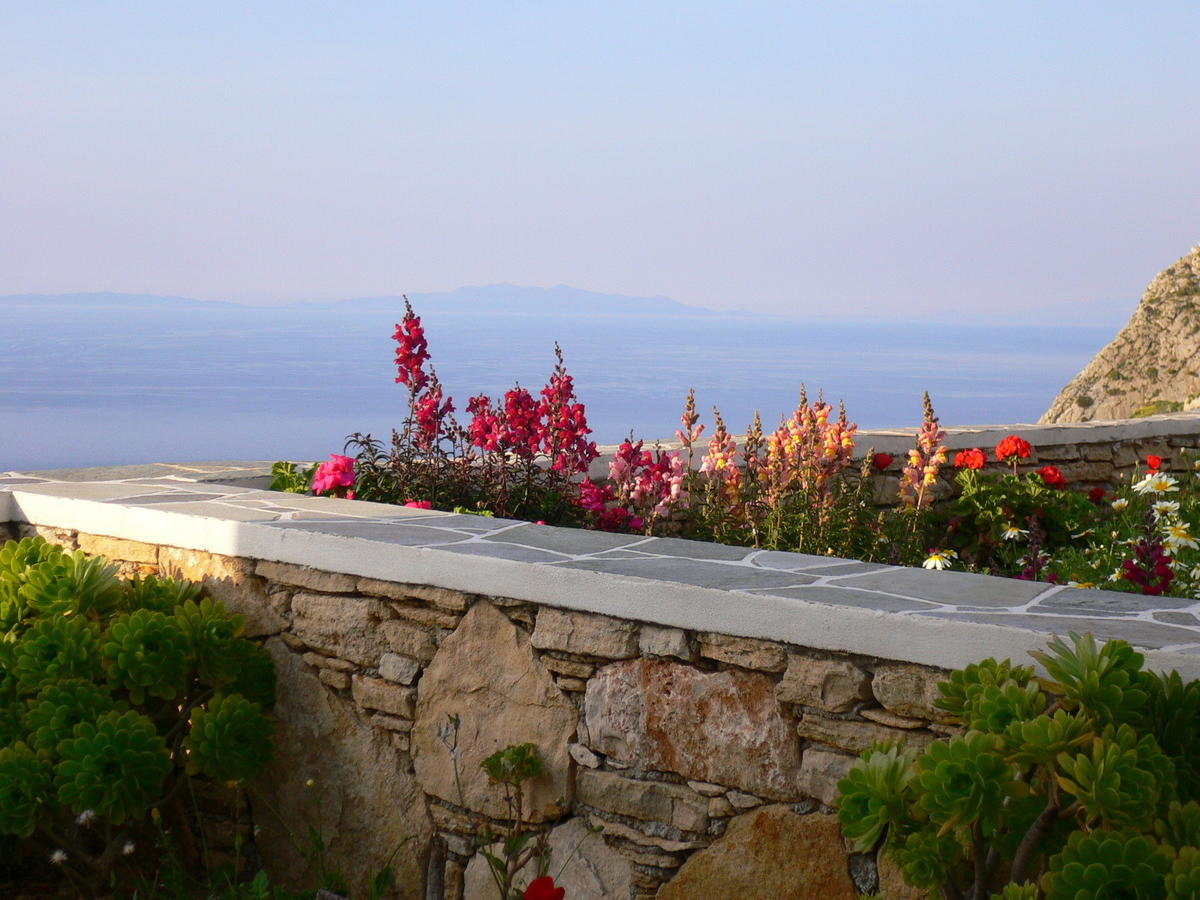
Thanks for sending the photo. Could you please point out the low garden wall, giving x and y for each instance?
(696, 702)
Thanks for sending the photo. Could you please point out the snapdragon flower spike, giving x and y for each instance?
(563, 423)
(429, 414)
(808, 451)
(413, 350)
(1150, 569)
(485, 430)
(521, 432)
(924, 462)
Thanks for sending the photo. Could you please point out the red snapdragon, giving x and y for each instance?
(413, 350)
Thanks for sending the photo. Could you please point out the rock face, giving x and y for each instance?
(725, 727)
(486, 673)
(768, 854)
(367, 804)
(580, 861)
(1153, 364)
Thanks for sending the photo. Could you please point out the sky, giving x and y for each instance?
(867, 157)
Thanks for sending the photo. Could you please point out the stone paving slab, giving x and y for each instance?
(745, 591)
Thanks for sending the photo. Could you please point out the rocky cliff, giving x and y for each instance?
(1153, 365)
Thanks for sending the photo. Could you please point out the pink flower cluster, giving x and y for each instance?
(413, 350)
(924, 462)
(429, 414)
(646, 486)
(336, 476)
(595, 498)
(807, 452)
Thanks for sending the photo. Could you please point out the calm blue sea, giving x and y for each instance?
(130, 386)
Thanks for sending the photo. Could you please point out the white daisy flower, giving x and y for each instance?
(1157, 483)
(1177, 536)
(58, 857)
(940, 559)
(1165, 508)
(1012, 533)
(1119, 504)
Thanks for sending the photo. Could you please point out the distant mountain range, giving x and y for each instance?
(492, 298)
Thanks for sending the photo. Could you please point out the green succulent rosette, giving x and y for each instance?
(964, 780)
(876, 794)
(211, 633)
(961, 691)
(230, 739)
(1104, 681)
(161, 594)
(1106, 864)
(255, 678)
(1024, 891)
(927, 858)
(1121, 780)
(1183, 881)
(73, 584)
(53, 649)
(147, 653)
(114, 766)
(1040, 740)
(1180, 827)
(1173, 717)
(24, 789)
(52, 715)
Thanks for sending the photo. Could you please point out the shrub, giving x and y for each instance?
(113, 694)
(1087, 776)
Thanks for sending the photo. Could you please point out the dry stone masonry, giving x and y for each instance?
(695, 705)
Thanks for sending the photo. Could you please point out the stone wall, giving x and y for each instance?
(679, 763)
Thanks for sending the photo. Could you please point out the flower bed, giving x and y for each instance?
(795, 488)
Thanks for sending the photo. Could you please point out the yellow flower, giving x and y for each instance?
(939, 559)
(1156, 483)
(1177, 536)
(1012, 532)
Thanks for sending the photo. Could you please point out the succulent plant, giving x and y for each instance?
(1183, 881)
(255, 673)
(876, 794)
(1120, 780)
(147, 653)
(24, 787)
(55, 648)
(996, 706)
(211, 632)
(960, 690)
(1180, 827)
(17, 557)
(1040, 740)
(230, 739)
(73, 584)
(1026, 891)
(928, 858)
(60, 706)
(114, 766)
(1103, 680)
(161, 594)
(964, 780)
(1106, 864)
(1172, 715)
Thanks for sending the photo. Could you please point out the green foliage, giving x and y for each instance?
(113, 693)
(288, 476)
(513, 765)
(1088, 776)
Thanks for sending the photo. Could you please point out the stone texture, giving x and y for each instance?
(377, 693)
(658, 640)
(576, 632)
(908, 690)
(583, 756)
(434, 618)
(768, 854)
(748, 653)
(830, 684)
(569, 667)
(401, 669)
(409, 640)
(303, 576)
(339, 681)
(363, 802)
(643, 838)
(650, 801)
(821, 773)
(855, 735)
(447, 600)
(118, 549)
(883, 717)
(705, 789)
(229, 579)
(328, 662)
(743, 801)
(348, 627)
(724, 727)
(719, 808)
(580, 861)
(486, 673)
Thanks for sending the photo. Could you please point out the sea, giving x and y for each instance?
(98, 386)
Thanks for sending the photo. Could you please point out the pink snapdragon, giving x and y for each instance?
(336, 475)
(413, 350)
(649, 482)
(563, 424)
(924, 462)
(429, 412)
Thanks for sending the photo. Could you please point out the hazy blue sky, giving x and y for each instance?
(870, 157)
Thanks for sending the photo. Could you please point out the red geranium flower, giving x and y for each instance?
(543, 889)
(970, 459)
(1012, 446)
(1053, 477)
(882, 460)
(1153, 462)
(1097, 494)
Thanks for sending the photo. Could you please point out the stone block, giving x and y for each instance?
(569, 667)
(434, 618)
(409, 640)
(306, 577)
(891, 719)
(488, 675)
(706, 789)
(658, 640)
(574, 685)
(576, 632)
(650, 801)
(583, 756)
(377, 693)
(722, 727)
(855, 735)
(643, 838)
(317, 661)
(230, 580)
(831, 684)
(719, 808)
(908, 690)
(400, 669)
(770, 852)
(391, 723)
(821, 772)
(118, 549)
(749, 653)
(348, 627)
(742, 801)
(442, 598)
(339, 681)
